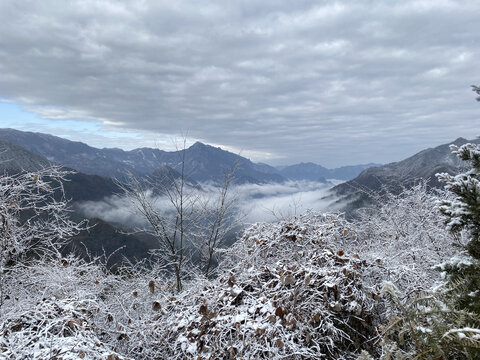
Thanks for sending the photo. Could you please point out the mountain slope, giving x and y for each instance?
(395, 176)
(15, 159)
(208, 163)
(112, 163)
(101, 237)
(423, 165)
(78, 186)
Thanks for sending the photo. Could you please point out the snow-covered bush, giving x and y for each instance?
(34, 218)
(55, 309)
(406, 237)
(314, 286)
(287, 290)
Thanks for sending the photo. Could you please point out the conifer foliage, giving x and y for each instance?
(462, 216)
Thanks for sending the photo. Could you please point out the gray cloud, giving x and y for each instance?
(331, 82)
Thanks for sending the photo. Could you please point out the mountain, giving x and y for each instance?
(112, 163)
(78, 186)
(101, 237)
(202, 162)
(314, 172)
(351, 171)
(395, 176)
(208, 163)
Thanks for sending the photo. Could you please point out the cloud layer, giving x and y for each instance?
(335, 82)
(253, 203)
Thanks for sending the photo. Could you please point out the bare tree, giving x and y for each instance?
(181, 215)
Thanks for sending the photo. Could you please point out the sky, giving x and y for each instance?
(281, 82)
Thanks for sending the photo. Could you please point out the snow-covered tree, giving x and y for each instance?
(462, 214)
(34, 217)
(404, 234)
(444, 321)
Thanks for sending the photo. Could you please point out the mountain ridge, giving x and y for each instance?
(203, 162)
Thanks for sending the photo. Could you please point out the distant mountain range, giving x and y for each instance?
(203, 163)
(395, 176)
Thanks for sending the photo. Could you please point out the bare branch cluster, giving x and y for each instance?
(189, 222)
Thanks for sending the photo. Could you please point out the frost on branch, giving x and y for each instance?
(405, 236)
(57, 328)
(33, 214)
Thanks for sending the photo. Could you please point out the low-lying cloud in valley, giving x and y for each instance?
(253, 202)
(268, 202)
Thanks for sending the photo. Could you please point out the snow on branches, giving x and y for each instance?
(33, 214)
(406, 237)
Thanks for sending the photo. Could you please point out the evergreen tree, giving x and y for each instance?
(462, 215)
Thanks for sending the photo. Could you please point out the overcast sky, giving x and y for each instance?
(333, 82)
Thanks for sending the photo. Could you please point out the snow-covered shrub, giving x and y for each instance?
(34, 223)
(54, 309)
(314, 286)
(34, 216)
(53, 328)
(287, 291)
